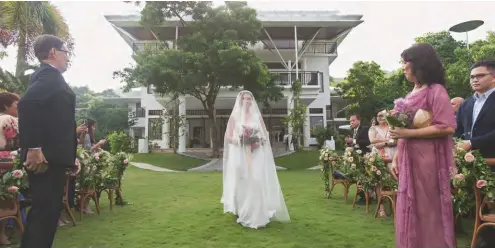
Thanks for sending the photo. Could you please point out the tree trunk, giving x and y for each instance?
(215, 131)
(21, 55)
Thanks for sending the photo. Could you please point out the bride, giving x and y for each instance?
(250, 184)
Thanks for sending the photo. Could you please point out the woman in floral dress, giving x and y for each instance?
(9, 140)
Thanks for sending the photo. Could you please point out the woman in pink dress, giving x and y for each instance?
(424, 217)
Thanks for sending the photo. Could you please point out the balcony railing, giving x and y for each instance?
(312, 78)
(316, 47)
(140, 112)
(141, 45)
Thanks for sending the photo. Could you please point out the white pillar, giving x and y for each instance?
(290, 107)
(182, 128)
(307, 129)
(166, 133)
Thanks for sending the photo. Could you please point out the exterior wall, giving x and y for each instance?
(317, 63)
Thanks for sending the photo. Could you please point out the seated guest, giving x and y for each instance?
(359, 136)
(476, 123)
(456, 103)
(9, 140)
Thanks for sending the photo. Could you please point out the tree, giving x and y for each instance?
(444, 44)
(297, 115)
(360, 90)
(9, 82)
(29, 20)
(215, 55)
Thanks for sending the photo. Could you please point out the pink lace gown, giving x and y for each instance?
(424, 217)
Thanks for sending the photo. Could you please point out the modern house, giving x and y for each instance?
(296, 45)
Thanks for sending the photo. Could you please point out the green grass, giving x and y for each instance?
(299, 160)
(168, 160)
(184, 210)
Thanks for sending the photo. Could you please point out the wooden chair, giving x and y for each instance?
(367, 197)
(65, 201)
(346, 183)
(482, 220)
(110, 193)
(384, 193)
(83, 195)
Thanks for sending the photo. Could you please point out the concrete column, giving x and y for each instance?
(182, 128)
(166, 133)
(290, 107)
(307, 129)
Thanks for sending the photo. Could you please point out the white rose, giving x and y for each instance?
(359, 151)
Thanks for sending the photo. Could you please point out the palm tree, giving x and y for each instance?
(28, 20)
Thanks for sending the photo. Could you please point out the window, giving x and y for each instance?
(155, 112)
(155, 129)
(315, 121)
(316, 111)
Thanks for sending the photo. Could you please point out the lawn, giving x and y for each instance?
(299, 160)
(169, 160)
(184, 210)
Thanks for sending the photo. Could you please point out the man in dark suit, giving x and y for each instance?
(48, 139)
(476, 122)
(359, 134)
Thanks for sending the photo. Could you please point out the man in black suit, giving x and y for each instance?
(360, 135)
(476, 122)
(48, 139)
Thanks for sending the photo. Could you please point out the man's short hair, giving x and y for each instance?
(489, 64)
(43, 44)
(357, 117)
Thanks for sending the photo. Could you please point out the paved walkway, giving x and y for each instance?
(151, 167)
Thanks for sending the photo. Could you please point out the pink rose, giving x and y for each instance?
(13, 189)
(373, 168)
(97, 158)
(378, 172)
(469, 157)
(17, 173)
(459, 177)
(126, 161)
(480, 184)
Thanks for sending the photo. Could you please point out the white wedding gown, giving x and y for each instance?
(251, 189)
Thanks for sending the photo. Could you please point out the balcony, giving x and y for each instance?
(316, 47)
(309, 78)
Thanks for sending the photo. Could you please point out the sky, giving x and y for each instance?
(389, 27)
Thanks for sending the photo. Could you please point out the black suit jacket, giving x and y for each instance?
(483, 132)
(47, 117)
(362, 138)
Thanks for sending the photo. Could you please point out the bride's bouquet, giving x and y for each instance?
(251, 137)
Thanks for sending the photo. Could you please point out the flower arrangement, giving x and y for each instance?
(329, 160)
(352, 163)
(470, 171)
(251, 137)
(377, 170)
(399, 116)
(13, 180)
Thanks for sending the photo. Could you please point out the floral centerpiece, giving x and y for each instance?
(329, 160)
(13, 180)
(377, 171)
(470, 171)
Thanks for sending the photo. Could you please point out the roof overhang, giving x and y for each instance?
(279, 24)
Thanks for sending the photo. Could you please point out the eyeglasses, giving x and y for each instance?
(478, 76)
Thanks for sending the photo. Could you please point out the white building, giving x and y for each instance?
(296, 44)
